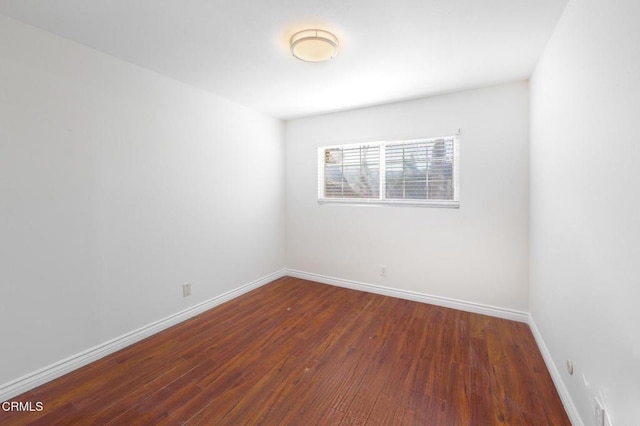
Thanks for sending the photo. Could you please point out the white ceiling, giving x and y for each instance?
(389, 50)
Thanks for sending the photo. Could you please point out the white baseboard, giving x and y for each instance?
(569, 406)
(478, 308)
(60, 368)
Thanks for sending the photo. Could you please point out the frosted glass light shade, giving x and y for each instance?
(314, 45)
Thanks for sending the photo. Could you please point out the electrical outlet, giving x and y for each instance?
(570, 366)
(186, 290)
(383, 270)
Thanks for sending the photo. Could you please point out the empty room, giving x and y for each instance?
(415, 212)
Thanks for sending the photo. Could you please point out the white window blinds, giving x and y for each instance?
(420, 170)
(416, 171)
(352, 172)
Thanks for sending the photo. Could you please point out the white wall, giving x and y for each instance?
(478, 253)
(118, 185)
(585, 212)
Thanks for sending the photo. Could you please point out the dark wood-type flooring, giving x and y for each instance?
(294, 352)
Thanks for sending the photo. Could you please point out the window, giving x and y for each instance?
(414, 172)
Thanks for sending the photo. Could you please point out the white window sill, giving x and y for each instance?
(377, 202)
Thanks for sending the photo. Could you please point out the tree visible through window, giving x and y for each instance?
(352, 172)
(420, 170)
(409, 171)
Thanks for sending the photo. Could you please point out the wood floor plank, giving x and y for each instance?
(296, 352)
(387, 410)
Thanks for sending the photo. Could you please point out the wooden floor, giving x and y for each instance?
(295, 352)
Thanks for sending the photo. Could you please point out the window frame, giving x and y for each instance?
(382, 200)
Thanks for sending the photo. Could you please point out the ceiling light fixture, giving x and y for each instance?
(314, 45)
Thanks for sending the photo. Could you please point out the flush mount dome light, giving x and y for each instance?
(314, 45)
